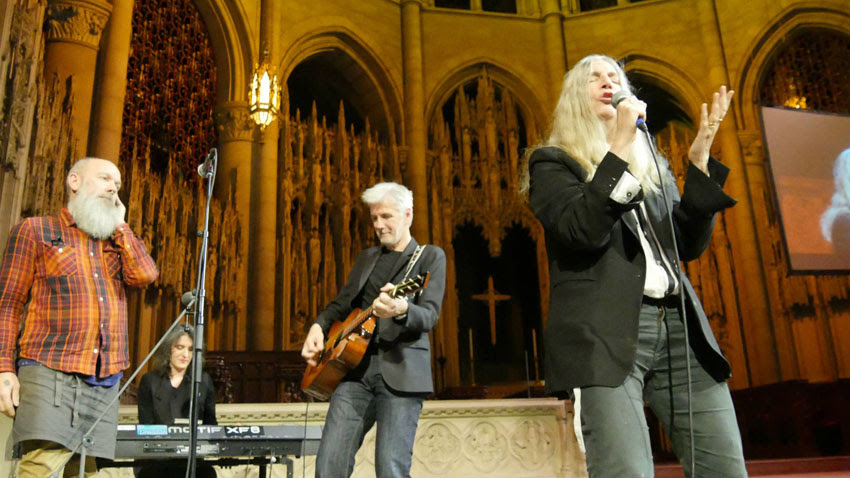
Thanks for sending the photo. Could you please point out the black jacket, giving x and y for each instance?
(404, 351)
(156, 395)
(597, 267)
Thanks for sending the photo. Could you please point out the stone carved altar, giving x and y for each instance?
(456, 438)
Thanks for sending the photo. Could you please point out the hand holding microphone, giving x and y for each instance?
(631, 114)
(640, 109)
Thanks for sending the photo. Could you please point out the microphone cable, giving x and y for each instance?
(684, 312)
(304, 440)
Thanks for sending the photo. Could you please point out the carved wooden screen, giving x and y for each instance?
(168, 129)
(36, 139)
(477, 136)
(170, 88)
(323, 224)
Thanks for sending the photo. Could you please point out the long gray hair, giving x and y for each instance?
(578, 130)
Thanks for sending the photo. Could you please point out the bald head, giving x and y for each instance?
(98, 176)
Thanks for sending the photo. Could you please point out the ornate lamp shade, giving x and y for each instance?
(265, 96)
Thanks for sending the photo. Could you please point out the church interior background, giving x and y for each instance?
(445, 96)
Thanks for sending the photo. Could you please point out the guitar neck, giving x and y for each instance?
(405, 288)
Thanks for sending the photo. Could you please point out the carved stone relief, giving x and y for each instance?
(437, 447)
(532, 444)
(485, 446)
(77, 20)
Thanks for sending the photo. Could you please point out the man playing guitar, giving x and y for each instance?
(391, 382)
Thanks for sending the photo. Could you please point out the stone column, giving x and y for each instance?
(73, 36)
(261, 294)
(763, 363)
(261, 269)
(755, 311)
(109, 99)
(414, 110)
(555, 50)
(752, 146)
(233, 180)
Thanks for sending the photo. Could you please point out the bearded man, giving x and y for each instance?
(63, 322)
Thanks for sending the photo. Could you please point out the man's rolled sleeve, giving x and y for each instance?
(137, 265)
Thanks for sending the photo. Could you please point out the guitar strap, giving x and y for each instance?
(413, 259)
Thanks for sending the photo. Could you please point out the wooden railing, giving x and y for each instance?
(257, 377)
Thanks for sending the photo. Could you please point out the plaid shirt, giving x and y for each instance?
(69, 289)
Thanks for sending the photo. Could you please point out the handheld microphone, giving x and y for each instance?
(207, 168)
(618, 98)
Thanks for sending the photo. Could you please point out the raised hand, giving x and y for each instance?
(709, 123)
(122, 210)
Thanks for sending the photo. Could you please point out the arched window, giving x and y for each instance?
(810, 71)
(458, 4)
(500, 6)
(587, 5)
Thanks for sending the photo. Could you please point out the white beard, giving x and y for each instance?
(97, 216)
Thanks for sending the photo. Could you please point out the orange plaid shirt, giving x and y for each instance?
(69, 290)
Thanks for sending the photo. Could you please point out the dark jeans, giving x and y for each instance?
(355, 406)
(614, 426)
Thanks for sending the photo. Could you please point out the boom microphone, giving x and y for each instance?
(207, 168)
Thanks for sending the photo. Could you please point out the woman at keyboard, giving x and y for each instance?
(164, 396)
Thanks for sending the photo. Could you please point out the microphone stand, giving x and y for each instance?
(206, 170)
(684, 312)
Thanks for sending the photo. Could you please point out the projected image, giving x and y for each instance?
(835, 222)
(809, 157)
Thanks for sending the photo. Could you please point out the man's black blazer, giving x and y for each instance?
(597, 267)
(404, 351)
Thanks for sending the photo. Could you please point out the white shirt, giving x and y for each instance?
(657, 281)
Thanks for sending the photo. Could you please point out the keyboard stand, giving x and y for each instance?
(284, 460)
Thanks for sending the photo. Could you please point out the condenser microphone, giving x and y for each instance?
(619, 97)
(188, 297)
(207, 168)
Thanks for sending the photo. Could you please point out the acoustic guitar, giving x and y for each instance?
(347, 342)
